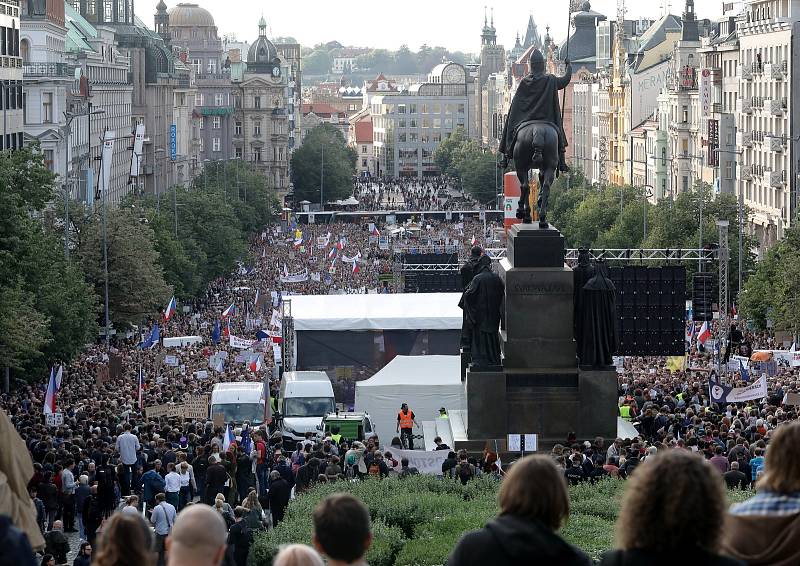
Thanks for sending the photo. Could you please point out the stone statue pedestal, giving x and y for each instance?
(540, 389)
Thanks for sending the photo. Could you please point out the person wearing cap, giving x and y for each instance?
(443, 413)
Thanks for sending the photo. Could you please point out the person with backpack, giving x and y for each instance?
(464, 471)
(377, 468)
(239, 538)
(152, 483)
(449, 465)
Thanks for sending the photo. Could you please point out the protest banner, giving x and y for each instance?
(201, 374)
(157, 411)
(219, 420)
(115, 366)
(171, 361)
(792, 399)
(195, 407)
(101, 374)
(720, 393)
(425, 462)
(241, 343)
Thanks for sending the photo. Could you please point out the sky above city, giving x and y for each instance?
(453, 24)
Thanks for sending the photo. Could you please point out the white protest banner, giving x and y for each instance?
(514, 443)
(724, 394)
(241, 343)
(316, 277)
(171, 361)
(531, 442)
(195, 407)
(296, 278)
(201, 374)
(54, 419)
(276, 353)
(425, 462)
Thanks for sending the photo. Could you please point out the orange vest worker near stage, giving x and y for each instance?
(405, 424)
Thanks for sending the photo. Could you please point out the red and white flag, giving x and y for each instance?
(704, 334)
(50, 397)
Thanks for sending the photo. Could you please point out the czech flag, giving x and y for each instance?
(375, 231)
(230, 311)
(473, 242)
(50, 397)
(227, 329)
(355, 262)
(229, 438)
(332, 253)
(255, 364)
(704, 334)
(170, 310)
(59, 374)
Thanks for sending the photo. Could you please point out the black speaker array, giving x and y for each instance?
(439, 281)
(703, 297)
(651, 304)
(432, 282)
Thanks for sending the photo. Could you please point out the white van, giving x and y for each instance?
(239, 402)
(305, 397)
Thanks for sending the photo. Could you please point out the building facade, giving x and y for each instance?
(768, 125)
(262, 111)
(409, 126)
(11, 76)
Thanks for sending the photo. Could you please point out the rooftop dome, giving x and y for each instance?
(263, 52)
(190, 15)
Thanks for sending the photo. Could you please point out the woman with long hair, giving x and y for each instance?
(126, 540)
(672, 512)
(534, 504)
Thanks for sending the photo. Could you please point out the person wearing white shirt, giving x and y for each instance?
(127, 445)
(185, 495)
(172, 486)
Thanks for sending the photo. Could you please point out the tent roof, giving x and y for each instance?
(417, 370)
(410, 311)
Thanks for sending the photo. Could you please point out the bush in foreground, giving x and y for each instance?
(418, 520)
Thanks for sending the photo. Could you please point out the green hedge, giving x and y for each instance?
(418, 520)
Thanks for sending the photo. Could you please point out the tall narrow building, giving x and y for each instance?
(11, 76)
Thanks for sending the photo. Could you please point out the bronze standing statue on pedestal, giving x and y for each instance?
(533, 134)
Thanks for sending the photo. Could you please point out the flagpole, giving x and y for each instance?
(566, 58)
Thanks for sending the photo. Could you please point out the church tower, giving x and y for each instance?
(162, 21)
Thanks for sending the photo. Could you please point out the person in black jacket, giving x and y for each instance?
(239, 538)
(279, 494)
(672, 512)
(534, 504)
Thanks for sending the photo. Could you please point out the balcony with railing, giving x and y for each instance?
(746, 105)
(47, 70)
(773, 71)
(776, 143)
(746, 173)
(757, 102)
(745, 72)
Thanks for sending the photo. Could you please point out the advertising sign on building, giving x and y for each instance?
(173, 142)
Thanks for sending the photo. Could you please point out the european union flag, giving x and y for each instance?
(152, 340)
(247, 443)
(215, 333)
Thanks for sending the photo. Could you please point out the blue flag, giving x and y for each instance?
(152, 340)
(215, 332)
(744, 371)
(247, 443)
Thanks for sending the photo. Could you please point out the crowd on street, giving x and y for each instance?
(111, 468)
(412, 194)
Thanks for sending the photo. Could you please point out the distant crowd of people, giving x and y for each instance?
(412, 194)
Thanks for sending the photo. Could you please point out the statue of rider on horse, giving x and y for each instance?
(533, 134)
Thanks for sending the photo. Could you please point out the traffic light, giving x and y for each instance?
(703, 297)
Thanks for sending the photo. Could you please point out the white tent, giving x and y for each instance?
(401, 311)
(426, 383)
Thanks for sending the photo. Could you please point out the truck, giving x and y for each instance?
(351, 425)
(238, 402)
(304, 398)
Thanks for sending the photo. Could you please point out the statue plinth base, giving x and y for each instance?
(540, 389)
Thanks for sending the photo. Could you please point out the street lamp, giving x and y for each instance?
(647, 193)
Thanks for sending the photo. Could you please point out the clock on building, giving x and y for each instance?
(453, 75)
(276, 71)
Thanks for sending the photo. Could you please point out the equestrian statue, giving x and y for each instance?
(533, 134)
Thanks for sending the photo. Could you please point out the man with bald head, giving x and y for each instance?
(198, 538)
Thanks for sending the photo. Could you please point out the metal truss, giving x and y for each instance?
(409, 267)
(631, 255)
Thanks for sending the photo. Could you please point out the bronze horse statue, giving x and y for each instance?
(536, 148)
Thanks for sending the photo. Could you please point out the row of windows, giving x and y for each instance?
(11, 98)
(9, 41)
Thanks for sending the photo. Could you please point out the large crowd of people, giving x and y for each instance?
(412, 194)
(110, 473)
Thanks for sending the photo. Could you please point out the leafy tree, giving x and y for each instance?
(338, 167)
(136, 286)
(405, 61)
(24, 331)
(317, 63)
(480, 177)
(48, 309)
(444, 156)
